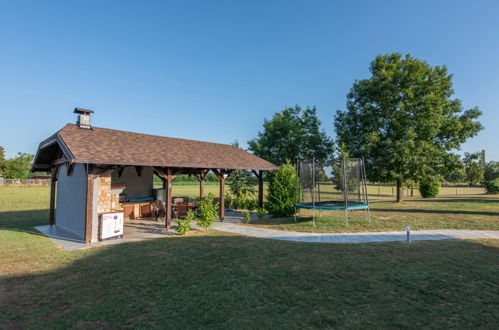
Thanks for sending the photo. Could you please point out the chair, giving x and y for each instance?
(159, 209)
(182, 209)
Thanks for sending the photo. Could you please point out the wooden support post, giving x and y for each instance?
(201, 178)
(53, 188)
(259, 175)
(221, 174)
(89, 204)
(168, 180)
(221, 210)
(201, 189)
(167, 176)
(260, 190)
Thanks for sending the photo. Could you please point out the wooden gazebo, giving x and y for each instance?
(99, 150)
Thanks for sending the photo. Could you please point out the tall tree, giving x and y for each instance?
(404, 120)
(454, 171)
(473, 167)
(292, 134)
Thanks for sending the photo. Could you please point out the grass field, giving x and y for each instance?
(217, 280)
(472, 211)
(462, 212)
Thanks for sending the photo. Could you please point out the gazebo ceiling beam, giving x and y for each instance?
(120, 170)
(139, 170)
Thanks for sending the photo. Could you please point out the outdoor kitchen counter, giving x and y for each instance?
(137, 210)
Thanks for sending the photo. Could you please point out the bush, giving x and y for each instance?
(260, 212)
(251, 204)
(491, 171)
(247, 217)
(429, 189)
(184, 225)
(240, 202)
(283, 191)
(228, 201)
(492, 187)
(208, 211)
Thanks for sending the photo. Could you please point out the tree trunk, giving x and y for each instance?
(400, 191)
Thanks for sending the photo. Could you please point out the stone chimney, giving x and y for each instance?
(83, 120)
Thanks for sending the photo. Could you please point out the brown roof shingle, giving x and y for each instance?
(109, 146)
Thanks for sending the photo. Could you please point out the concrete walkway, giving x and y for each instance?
(368, 237)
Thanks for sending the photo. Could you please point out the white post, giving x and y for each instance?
(408, 230)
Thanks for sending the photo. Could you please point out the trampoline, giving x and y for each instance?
(332, 206)
(339, 186)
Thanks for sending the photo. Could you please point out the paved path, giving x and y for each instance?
(369, 237)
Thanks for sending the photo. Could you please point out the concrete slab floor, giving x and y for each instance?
(133, 231)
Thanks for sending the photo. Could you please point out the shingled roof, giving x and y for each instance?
(114, 147)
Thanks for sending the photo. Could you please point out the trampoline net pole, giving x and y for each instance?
(345, 190)
(297, 192)
(313, 190)
(366, 192)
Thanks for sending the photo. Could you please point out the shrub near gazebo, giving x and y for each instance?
(283, 191)
(208, 212)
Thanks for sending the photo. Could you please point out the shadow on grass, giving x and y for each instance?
(467, 199)
(229, 281)
(24, 220)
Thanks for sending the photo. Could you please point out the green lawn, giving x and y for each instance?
(32, 202)
(216, 280)
(462, 212)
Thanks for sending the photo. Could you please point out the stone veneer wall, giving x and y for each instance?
(107, 202)
(115, 202)
(104, 204)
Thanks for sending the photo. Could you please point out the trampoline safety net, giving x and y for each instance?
(336, 186)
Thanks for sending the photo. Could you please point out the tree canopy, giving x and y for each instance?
(491, 171)
(405, 121)
(17, 167)
(473, 167)
(292, 134)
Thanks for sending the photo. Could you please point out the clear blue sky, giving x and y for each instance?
(213, 70)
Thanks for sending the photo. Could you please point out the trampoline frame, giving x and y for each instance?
(358, 206)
